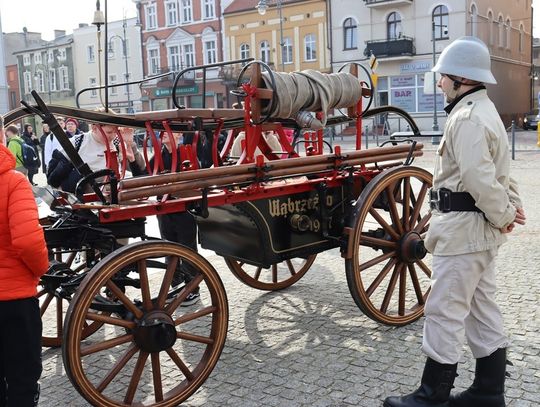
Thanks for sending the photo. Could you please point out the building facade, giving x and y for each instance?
(14, 42)
(124, 65)
(407, 36)
(48, 69)
(294, 42)
(177, 35)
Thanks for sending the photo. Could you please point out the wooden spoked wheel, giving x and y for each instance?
(54, 299)
(277, 277)
(150, 350)
(389, 272)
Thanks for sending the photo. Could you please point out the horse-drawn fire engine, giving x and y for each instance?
(125, 338)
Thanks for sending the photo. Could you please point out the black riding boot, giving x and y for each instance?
(434, 389)
(487, 389)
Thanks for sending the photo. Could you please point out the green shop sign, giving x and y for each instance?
(184, 90)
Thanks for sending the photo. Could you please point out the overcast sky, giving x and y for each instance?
(47, 15)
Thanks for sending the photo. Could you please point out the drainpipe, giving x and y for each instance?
(329, 33)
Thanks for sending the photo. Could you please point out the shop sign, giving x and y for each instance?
(416, 67)
(184, 90)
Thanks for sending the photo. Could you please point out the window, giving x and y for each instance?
(208, 9)
(127, 88)
(521, 39)
(189, 55)
(113, 80)
(474, 21)
(111, 49)
(52, 80)
(93, 83)
(210, 55)
(508, 32)
(287, 51)
(37, 58)
(174, 58)
(26, 59)
(62, 54)
(64, 78)
(265, 51)
(153, 61)
(393, 26)
(40, 81)
(244, 51)
(440, 18)
(310, 48)
(27, 76)
(90, 53)
(171, 12)
(125, 48)
(501, 32)
(151, 19)
(349, 34)
(187, 11)
(491, 23)
(50, 56)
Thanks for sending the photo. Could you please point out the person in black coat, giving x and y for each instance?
(31, 139)
(46, 133)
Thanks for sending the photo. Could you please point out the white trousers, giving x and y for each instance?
(462, 305)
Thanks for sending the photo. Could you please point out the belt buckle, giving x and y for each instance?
(440, 199)
(434, 199)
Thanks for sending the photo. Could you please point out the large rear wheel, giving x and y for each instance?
(389, 273)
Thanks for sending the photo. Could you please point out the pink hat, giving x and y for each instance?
(72, 120)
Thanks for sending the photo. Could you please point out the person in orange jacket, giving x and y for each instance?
(23, 259)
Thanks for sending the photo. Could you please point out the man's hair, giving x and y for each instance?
(13, 129)
(1, 121)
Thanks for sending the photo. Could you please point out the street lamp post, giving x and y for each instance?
(123, 40)
(435, 126)
(100, 19)
(261, 7)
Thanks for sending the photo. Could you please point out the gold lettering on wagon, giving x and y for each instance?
(280, 207)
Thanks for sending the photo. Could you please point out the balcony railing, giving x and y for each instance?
(386, 3)
(398, 47)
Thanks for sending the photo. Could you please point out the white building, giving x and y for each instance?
(399, 33)
(122, 68)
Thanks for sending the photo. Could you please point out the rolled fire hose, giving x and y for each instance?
(299, 93)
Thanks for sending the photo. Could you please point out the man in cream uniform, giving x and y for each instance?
(474, 204)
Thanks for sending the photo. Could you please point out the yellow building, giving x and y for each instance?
(301, 34)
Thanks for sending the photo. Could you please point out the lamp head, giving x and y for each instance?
(99, 18)
(261, 7)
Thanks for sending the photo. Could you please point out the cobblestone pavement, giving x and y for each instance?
(310, 345)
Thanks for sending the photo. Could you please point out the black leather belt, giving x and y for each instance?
(444, 200)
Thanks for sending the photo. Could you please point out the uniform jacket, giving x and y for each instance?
(473, 157)
(23, 253)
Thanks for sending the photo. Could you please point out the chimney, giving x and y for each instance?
(82, 25)
(59, 33)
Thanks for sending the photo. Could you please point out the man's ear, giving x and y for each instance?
(2, 137)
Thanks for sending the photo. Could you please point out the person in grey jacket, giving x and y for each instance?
(474, 204)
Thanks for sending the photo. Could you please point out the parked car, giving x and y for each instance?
(530, 121)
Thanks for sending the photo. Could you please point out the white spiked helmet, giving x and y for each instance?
(467, 57)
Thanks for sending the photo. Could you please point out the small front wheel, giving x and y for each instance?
(152, 349)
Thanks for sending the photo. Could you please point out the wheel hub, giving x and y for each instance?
(155, 332)
(412, 248)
